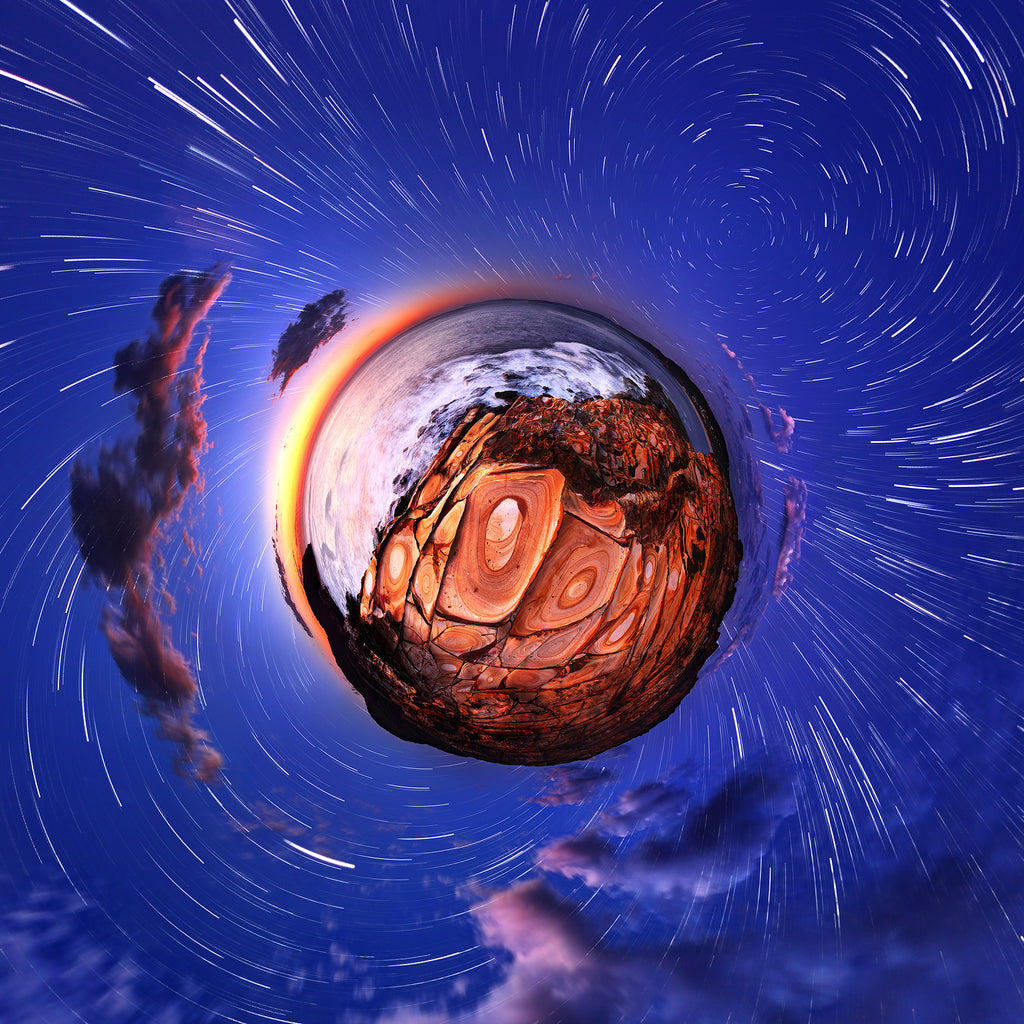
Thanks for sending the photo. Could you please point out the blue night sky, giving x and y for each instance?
(819, 203)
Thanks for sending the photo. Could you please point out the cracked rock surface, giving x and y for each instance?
(548, 588)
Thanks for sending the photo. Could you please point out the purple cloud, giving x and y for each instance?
(782, 435)
(318, 322)
(572, 784)
(687, 849)
(121, 506)
(660, 800)
(923, 926)
(794, 525)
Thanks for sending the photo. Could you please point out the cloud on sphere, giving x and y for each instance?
(121, 505)
(318, 322)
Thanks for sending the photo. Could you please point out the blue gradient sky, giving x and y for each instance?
(829, 828)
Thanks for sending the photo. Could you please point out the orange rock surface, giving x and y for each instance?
(550, 586)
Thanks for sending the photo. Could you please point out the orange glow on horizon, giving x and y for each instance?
(335, 366)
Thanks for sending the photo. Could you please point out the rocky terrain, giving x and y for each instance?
(549, 588)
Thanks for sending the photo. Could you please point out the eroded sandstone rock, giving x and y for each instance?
(549, 587)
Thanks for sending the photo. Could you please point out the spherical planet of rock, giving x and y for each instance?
(523, 538)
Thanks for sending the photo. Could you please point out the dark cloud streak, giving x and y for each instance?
(318, 322)
(121, 505)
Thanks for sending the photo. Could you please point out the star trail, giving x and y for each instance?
(817, 207)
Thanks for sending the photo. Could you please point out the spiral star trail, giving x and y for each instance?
(819, 207)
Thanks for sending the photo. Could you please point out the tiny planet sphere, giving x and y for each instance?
(523, 539)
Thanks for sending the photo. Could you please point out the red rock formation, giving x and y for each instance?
(553, 586)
